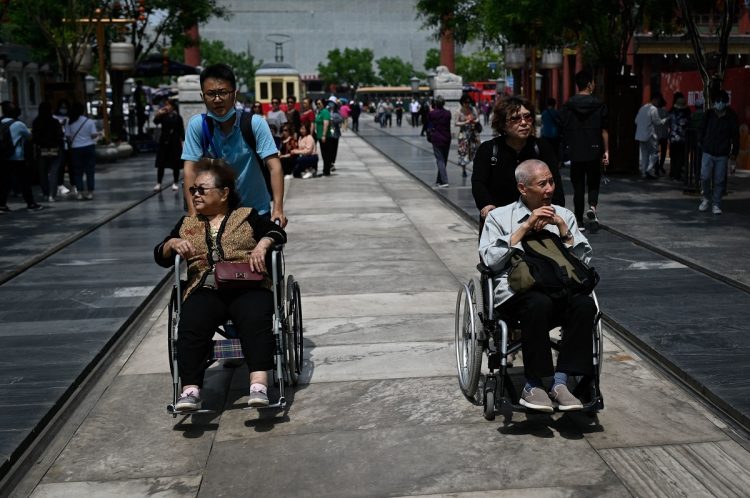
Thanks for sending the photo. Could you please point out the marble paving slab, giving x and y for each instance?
(393, 303)
(379, 329)
(380, 361)
(162, 487)
(373, 462)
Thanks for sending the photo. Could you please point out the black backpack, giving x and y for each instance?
(7, 147)
(545, 264)
(246, 128)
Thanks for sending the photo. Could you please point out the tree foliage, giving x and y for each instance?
(478, 66)
(214, 52)
(352, 67)
(394, 71)
(432, 58)
(460, 17)
(48, 25)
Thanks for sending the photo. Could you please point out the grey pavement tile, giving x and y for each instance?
(352, 405)
(379, 361)
(406, 461)
(162, 487)
(129, 434)
(642, 408)
(378, 329)
(382, 304)
(698, 469)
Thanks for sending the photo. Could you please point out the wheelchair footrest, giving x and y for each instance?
(494, 360)
(172, 411)
(280, 404)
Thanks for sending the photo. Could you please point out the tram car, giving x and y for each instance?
(277, 80)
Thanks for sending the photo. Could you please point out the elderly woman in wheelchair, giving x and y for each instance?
(536, 311)
(221, 231)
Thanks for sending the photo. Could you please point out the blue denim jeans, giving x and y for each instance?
(713, 174)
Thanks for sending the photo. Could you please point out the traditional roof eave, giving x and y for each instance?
(646, 44)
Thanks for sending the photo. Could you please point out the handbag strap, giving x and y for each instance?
(79, 130)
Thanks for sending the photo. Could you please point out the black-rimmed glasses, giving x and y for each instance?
(201, 190)
(219, 94)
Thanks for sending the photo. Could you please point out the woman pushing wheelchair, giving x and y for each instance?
(221, 232)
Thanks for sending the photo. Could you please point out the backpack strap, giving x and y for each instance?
(495, 151)
(207, 138)
(246, 128)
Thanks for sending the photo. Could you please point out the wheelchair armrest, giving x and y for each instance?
(487, 271)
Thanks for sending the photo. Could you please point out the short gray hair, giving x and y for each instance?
(525, 171)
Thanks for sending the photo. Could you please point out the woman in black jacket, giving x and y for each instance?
(170, 144)
(493, 182)
(48, 147)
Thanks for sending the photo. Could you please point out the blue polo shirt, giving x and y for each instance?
(233, 148)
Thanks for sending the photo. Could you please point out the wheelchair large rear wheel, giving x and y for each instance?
(467, 341)
(293, 340)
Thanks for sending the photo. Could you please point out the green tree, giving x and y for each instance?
(432, 58)
(352, 67)
(394, 71)
(478, 66)
(213, 52)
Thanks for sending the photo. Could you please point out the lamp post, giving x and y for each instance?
(500, 86)
(414, 81)
(100, 22)
(127, 92)
(431, 82)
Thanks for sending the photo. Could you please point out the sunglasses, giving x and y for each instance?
(201, 190)
(521, 117)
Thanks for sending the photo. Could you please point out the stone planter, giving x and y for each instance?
(121, 56)
(106, 153)
(124, 150)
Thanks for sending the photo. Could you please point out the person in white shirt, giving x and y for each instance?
(414, 109)
(646, 123)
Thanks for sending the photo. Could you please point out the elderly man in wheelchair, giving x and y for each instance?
(222, 232)
(535, 310)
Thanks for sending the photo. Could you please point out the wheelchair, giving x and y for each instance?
(481, 333)
(287, 331)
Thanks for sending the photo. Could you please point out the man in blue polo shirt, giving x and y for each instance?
(218, 86)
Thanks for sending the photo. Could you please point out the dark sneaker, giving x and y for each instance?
(4, 209)
(188, 402)
(35, 207)
(536, 399)
(257, 399)
(591, 220)
(565, 401)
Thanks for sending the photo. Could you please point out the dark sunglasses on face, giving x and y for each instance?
(201, 190)
(518, 117)
(219, 94)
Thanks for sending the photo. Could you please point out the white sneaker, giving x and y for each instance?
(50, 199)
(307, 175)
(157, 187)
(287, 177)
(62, 190)
(88, 196)
(705, 204)
(79, 196)
(716, 210)
(175, 188)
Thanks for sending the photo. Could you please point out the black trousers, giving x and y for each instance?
(583, 175)
(20, 171)
(329, 149)
(677, 156)
(538, 314)
(251, 311)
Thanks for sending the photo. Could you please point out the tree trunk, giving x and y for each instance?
(447, 49)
